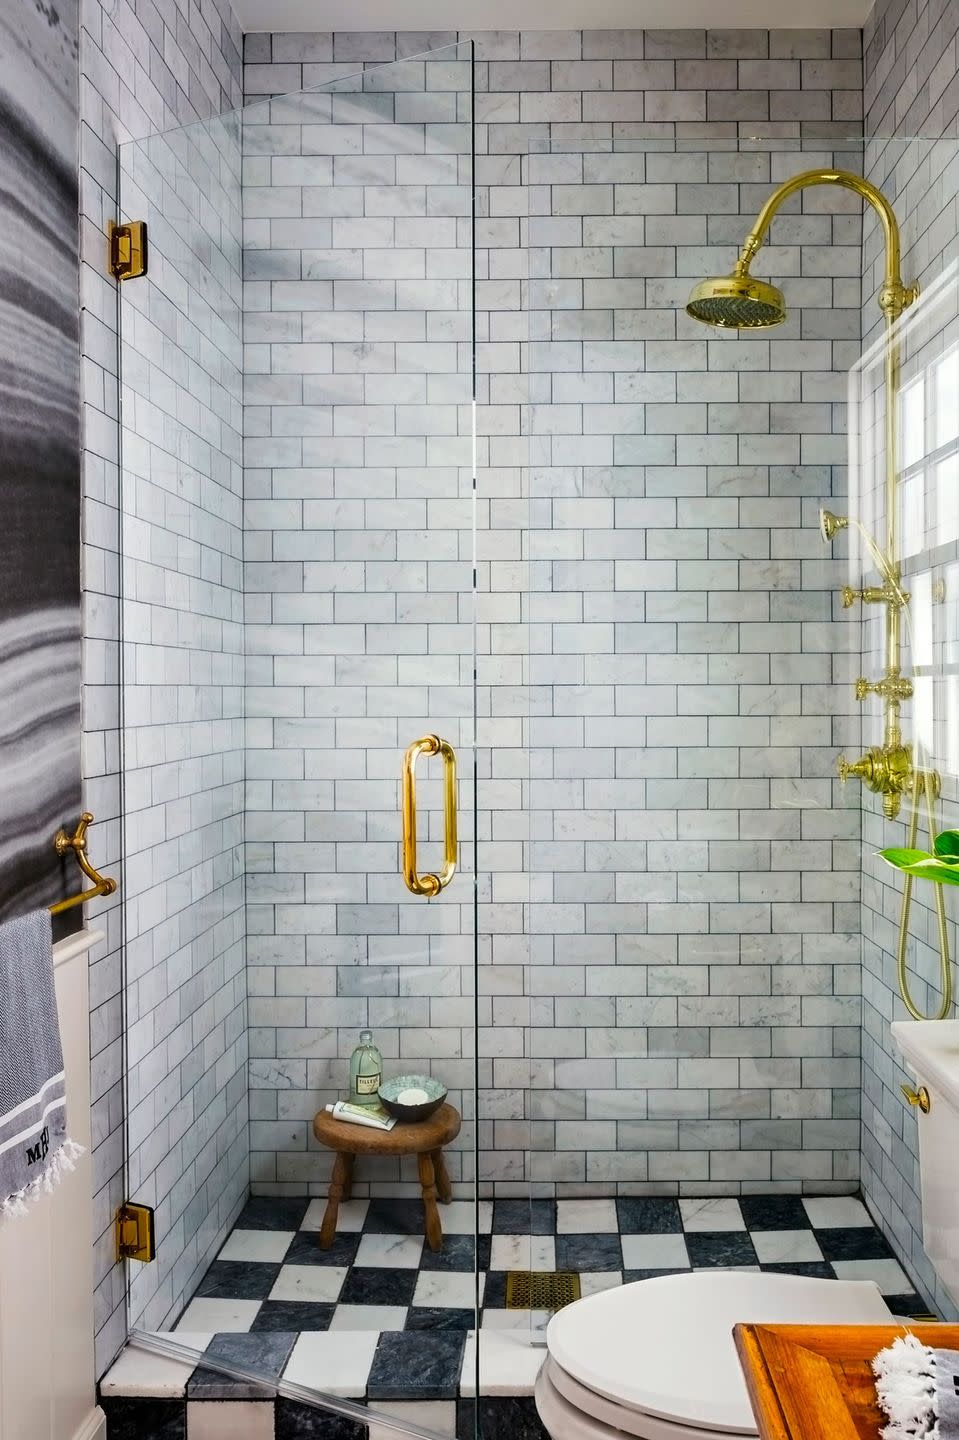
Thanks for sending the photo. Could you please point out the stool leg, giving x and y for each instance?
(434, 1230)
(339, 1181)
(443, 1187)
(348, 1178)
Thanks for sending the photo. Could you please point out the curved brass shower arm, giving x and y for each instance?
(894, 295)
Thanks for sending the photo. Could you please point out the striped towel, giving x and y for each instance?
(34, 1149)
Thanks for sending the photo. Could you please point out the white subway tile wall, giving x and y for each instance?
(685, 1012)
(143, 68)
(358, 514)
(911, 88)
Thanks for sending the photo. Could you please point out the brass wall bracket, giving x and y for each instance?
(875, 595)
(128, 249)
(135, 1233)
(77, 843)
(919, 1098)
(886, 771)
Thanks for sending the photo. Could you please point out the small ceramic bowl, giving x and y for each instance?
(395, 1097)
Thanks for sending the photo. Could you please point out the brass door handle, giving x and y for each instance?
(429, 884)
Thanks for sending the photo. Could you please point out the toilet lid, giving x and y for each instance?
(665, 1345)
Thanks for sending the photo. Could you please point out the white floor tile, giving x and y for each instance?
(368, 1317)
(436, 1415)
(350, 1216)
(141, 1372)
(395, 1252)
(338, 1364)
(261, 1245)
(591, 1282)
(535, 1320)
(586, 1217)
(523, 1252)
(835, 1211)
(214, 1317)
(459, 1216)
(654, 1252)
(449, 1289)
(711, 1215)
(509, 1360)
(888, 1274)
(308, 1282)
(785, 1246)
(230, 1419)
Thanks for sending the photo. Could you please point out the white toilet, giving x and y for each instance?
(656, 1359)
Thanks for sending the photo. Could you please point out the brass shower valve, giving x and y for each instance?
(875, 595)
(886, 771)
(890, 687)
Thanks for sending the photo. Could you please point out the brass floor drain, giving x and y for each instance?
(541, 1289)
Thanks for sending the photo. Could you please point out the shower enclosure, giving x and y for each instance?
(419, 441)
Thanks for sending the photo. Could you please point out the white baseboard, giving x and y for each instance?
(94, 1426)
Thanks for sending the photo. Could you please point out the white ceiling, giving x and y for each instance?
(446, 15)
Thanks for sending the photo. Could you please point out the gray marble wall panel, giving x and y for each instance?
(39, 452)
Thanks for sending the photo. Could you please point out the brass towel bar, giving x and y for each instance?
(102, 884)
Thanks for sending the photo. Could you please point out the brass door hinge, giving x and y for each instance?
(128, 249)
(135, 1235)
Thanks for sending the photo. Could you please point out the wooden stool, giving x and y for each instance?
(424, 1139)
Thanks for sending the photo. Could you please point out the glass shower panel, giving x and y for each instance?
(297, 523)
(693, 864)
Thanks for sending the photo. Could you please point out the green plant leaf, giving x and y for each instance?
(946, 845)
(922, 865)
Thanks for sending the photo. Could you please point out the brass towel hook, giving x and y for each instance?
(428, 884)
(77, 842)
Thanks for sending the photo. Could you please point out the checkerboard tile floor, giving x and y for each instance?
(379, 1276)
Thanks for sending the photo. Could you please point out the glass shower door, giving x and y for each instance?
(298, 562)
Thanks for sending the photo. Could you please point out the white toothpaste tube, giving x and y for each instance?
(361, 1115)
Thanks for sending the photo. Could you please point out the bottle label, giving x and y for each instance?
(368, 1084)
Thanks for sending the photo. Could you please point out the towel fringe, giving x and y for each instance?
(17, 1205)
(906, 1386)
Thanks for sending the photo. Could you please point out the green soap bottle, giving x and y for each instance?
(366, 1071)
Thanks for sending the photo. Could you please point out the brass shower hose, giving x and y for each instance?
(925, 780)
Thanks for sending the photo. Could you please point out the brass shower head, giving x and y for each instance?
(830, 525)
(737, 302)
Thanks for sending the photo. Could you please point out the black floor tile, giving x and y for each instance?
(818, 1269)
(630, 1275)
(238, 1280)
(395, 1217)
(293, 1315)
(648, 1215)
(439, 1317)
(500, 1417)
(305, 1249)
(370, 1285)
(524, 1217)
(133, 1418)
(264, 1352)
(774, 1212)
(458, 1253)
(909, 1304)
(494, 1291)
(719, 1247)
(416, 1364)
(273, 1212)
(588, 1252)
(853, 1244)
(293, 1421)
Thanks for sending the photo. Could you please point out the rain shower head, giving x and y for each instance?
(737, 302)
